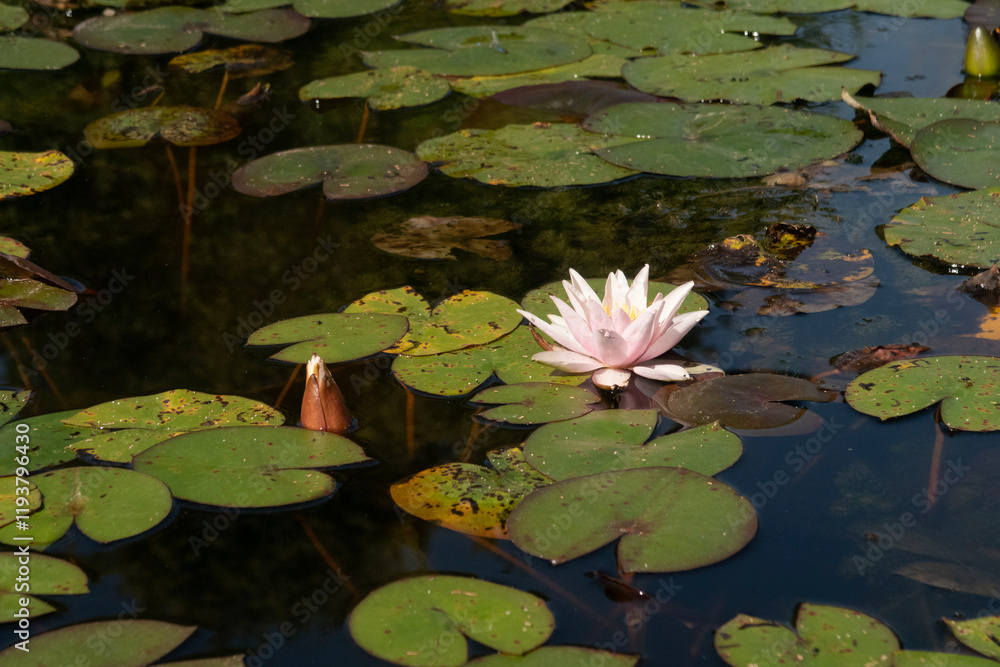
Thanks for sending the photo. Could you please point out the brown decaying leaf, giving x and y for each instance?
(984, 287)
(867, 358)
(429, 237)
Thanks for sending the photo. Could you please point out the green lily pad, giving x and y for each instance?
(20, 293)
(966, 386)
(980, 634)
(504, 7)
(137, 643)
(599, 65)
(48, 440)
(823, 635)
(347, 171)
(903, 117)
(557, 655)
(336, 337)
(240, 61)
(9, 246)
(241, 466)
(939, 9)
(780, 6)
(669, 519)
(107, 504)
(177, 29)
(12, 18)
(776, 74)
(956, 229)
(536, 402)
(548, 155)
(924, 658)
(29, 53)
(391, 88)
(30, 173)
(468, 498)
(463, 320)
(49, 576)
(30, 495)
(488, 50)
(181, 126)
(961, 152)
(321, 9)
(720, 141)
(11, 403)
(430, 237)
(396, 622)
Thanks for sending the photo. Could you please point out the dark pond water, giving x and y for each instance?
(259, 585)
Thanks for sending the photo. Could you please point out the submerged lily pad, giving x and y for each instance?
(962, 152)
(347, 171)
(903, 117)
(536, 402)
(49, 576)
(669, 519)
(137, 644)
(430, 237)
(239, 61)
(389, 88)
(966, 386)
(242, 466)
(395, 622)
(336, 337)
(30, 173)
(181, 126)
(468, 498)
(29, 53)
(823, 635)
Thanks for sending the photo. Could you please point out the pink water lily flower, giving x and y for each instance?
(618, 335)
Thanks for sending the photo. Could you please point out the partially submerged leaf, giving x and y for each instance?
(952, 577)
(24, 174)
(430, 237)
(336, 337)
(239, 61)
(321, 9)
(386, 88)
(181, 126)
(867, 358)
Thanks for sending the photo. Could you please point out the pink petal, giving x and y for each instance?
(639, 333)
(578, 328)
(637, 293)
(609, 378)
(681, 325)
(610, 347)
(565, 360)
(615, 289)
(598, 318)
(672, 302)
(620, 320)
(559, 334)
(664, 372)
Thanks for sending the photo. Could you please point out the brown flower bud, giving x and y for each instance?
(323, 406)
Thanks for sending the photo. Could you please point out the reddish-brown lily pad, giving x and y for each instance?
(430, 237)
(182, 126)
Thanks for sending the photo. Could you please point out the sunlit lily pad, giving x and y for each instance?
(322, 9)
(394, 622)
(389, 88)
(177, 29)
(240, 61)
(779, 6)
(243, 466)
(469, 498)
(669, 519)
(720, 141)
(49, 576)
(903, 117)
(939, 659)
(504, 7)
(29, 53)
(543, 155)
(137, 644)
(336, 337)
(107, 504)
(776, 74)
(598, 65)
(557, 655)
(430, 237)
(10, 246)
(823, 635)
(29, 173)
(961, 152)
(939, 9)
(966, 386)
(12, 18)
(536, 402)
(182, 126)
(980, 634)
(48, 441)
(31, 498)
(347, 171)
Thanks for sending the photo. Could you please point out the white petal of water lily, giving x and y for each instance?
(578, 328)
(620, 319)
(639, 333)
(568, 361)
(615, 289)
(582, 289)
(672, 302)
(610, 348)
(559, 334)
(681, 325)
(662, 372)
(637, 294)
(609, 378)
(597, 317)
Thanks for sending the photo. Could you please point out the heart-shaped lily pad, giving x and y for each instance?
(669, 519)
(557, 655)
(49, 576)
(242, 466)
(536, 402)
(468, 498)
(424, 620)
(616, 440)
(961, 151)
(430, 237)
(966, 386)
(321, 9)
(137, 643)
(181, 126)
(29, 53)
(336, 337)
(30, 173)
(388, 88)
(903, 117)
(823, 635)
(107, 504)
(348, 171)
(980, 634)
(31, 498)
(239, 61)
(720, 141)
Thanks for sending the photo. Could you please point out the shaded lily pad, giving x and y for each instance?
(543, 155)
(959, 228)
(30, 173)
(30, 495)
(961, 152)
(557, 655)
(748, 401)
(181, 126)
(242, 466)
(177, 29)
(823, 635)
(12, 18)
(11, 403)
(137, 644)
(394, 622)
(669, 519)
(347, 171)
(536, 402)
(430, 237)
(29, 53)
(49, 441)
(979, 634)
(966, 386)
(504, 7)
(336, 337)
(49, 576)
(322, 9)
(390, 88)
(598, 65)
(240, 61)
(903, 117)
(106, 504)
(471, 499)
(720, 141)
(776, 74)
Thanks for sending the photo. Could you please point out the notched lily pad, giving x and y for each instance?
(536, 402)
(430, 237)
(902, 117)
(24, 173)
(336, 337)
(181, 126)
(388, 88)
(240, 61)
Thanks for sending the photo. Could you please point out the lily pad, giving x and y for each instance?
(956, 229)
(49, 576)
(468, 498)
(542, 155)
(966, 386)
(347, 171)
(557, 655)
(424, 620)
(980, 634)
(598, 65)
(107, 504)
(487, 50)
(239, 61)
(430, 237)
(669, 519)
(31, 498)
(242, 466)
(390, 88)
(961, 152)
(48, 440)
(504, 7)
(29, 53)
(924, 658)
(720, 141)
(321, 9)
(463, 320)
(823, 635)
(11, 403)
(781, 73)
(336, 337)
(939, 9)
(12, 18)
(13, 247)
(181, 126)
(903, 117)
(137, 643)
(30, 173)
(780, 6)
(536, 402)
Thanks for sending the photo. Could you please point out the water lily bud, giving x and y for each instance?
(323, 406)
(982, 55)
